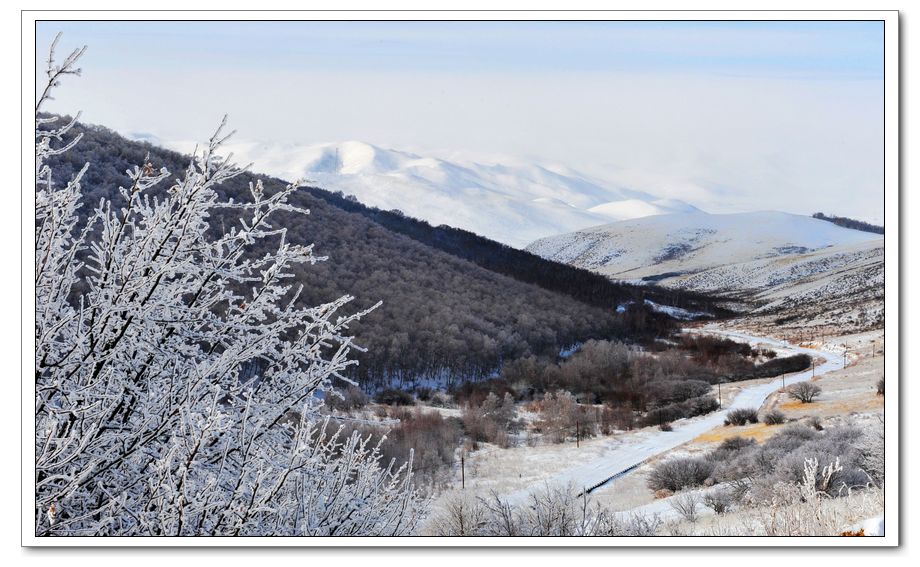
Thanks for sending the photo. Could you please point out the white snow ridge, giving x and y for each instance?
(513, 202)
(674, 245)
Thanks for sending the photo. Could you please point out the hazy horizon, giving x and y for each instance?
(728, 116)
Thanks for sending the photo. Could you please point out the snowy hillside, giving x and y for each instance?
(665, 246)
(513, 202)
(788, 266)
(843, 285)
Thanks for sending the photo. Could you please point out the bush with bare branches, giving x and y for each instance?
(677, 474)
(741, 416)
(805, 392)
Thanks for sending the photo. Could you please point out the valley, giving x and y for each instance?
(587, 361)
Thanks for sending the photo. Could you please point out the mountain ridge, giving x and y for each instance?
(509, 200)
(444, 315)
(650, 247)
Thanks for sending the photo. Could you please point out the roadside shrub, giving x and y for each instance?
(710, 349)
(805, 392)
(619, 417)
(687, 506)
(393, 397)
(730, 448)
(719, 501)
(666, 427)
(815, 422)
(551, 512)
(681, 410)
(871, 452)
(880, 387)
(680, 473)
(431, 439)
(756, 472)
(669, 391)
(774, 417)
(561, 417)
(663, 493)
(741, 416)
(490, 421)
(791, 437)
(786, 364)
(836, 450)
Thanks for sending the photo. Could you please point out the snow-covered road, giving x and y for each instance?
(619, 455)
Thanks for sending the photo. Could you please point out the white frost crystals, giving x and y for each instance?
(145, 424)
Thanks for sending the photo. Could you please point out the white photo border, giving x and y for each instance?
(892, 282)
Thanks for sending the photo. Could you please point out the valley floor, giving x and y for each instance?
(848, 396)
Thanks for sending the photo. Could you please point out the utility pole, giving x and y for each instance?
(784, 381)
(462, 470)
(812, 368)
(844, 355)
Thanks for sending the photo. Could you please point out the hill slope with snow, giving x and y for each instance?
(513, 202)
(785, 266)
(665, 246)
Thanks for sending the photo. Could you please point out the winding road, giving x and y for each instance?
(622, 456)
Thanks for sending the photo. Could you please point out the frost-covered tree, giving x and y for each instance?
(551, 511)
(177, 382)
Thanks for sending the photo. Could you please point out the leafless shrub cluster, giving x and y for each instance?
(677, 474)
(552, 511)
(774, 417)
(741, 416)
(815, 423)
(490, 421)
(753, 471)
(687, 505)
(805, 392)
(719, 501)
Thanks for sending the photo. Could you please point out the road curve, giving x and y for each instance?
(620, 457)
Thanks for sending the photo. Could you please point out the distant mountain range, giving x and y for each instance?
(510, 201)
(667, 245)
(767, 260)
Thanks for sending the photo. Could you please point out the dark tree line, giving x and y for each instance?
(851, 223)
(583, 285)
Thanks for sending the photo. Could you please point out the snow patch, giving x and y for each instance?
(675, 312)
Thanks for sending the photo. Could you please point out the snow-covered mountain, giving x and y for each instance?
(511, 201)
(787, 268)
(677, 245)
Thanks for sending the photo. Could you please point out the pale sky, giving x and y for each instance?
(729, 116)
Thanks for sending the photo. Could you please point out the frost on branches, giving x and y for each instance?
(147, 422)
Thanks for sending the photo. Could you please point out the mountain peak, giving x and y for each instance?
(509, 200)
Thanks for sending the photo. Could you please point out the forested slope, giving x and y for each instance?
(455, 306)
